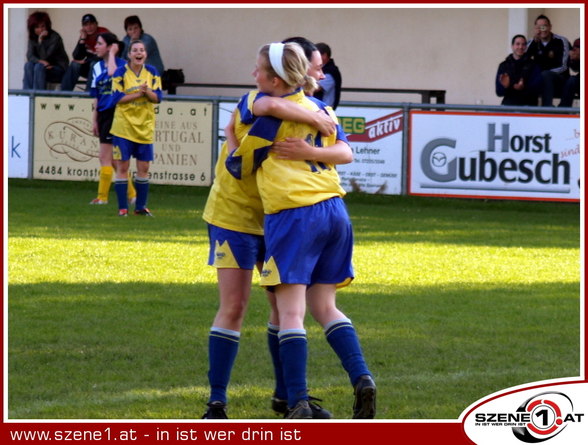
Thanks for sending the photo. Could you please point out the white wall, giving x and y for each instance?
(455, 49)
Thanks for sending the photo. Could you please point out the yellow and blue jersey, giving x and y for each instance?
(135, 120)
(233, 204)
(285, 184)
(101, 87)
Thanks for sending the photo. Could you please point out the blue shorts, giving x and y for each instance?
(234, 250)
(123, 149)
(309, 245)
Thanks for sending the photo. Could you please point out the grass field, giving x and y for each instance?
(453, 300)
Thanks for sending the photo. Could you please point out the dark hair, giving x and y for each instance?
(133, 20)
(516, 37)
(111, 38)
(324, 49)
(306, 45)
(543, 17)
(36, 19)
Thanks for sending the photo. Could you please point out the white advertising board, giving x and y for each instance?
(502, 156)
(375, 136)
(17, 141)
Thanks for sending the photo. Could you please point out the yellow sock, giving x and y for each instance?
(131, 192)
(106, 174)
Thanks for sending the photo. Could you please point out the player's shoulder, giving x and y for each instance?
(152, 70)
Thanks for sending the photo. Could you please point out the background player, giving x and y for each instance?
(107, 49)
(136, 87)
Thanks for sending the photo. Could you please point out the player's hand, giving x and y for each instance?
(293, 149)
(114, 49)
(324, 123)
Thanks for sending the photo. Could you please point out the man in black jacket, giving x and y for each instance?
(550, 51)
(83, 54)
(330, 87)
(518, 79)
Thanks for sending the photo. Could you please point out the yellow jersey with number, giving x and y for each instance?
(285, 184)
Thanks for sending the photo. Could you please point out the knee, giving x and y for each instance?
(234, 311)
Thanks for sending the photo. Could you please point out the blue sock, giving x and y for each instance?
(343, 339)
(120, 187)
(293, 355)
(223, 345)
(142, 186)
(273, 343)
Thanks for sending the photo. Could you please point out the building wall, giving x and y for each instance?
(450, 48)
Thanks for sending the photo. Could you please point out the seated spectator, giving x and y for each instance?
(550, 52)
(46, 56)
(572, 85)
(518, 79)
(134, 30)
(84, 55)
(330, 87)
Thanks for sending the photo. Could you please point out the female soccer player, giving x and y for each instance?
(306, 227)
(136, 88)
(107, 48)
(234, 215)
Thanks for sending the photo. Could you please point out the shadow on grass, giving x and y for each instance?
(139, 350)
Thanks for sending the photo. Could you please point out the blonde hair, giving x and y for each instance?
(294, 66)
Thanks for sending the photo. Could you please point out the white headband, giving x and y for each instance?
(276, 51)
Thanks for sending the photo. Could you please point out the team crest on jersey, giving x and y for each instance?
(223, 256)
(116, 153)
(270, 275)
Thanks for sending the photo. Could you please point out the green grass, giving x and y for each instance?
(453, 300)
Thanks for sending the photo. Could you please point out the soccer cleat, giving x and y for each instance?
(301, 410)
(216, 410)
(123, 212)
(143, 212)
(280, 406)
(98, 201)
(364, 406)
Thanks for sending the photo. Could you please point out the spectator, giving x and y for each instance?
(550, 52)
(83, 54)
(572, 85)
(46, 56)
(134, 30)
(518, 79)
(330, 87)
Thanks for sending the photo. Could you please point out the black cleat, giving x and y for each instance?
(280, 406)
(143, 212)
(364, 406)
(300, 411)
(216, 410)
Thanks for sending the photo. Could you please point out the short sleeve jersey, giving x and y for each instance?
(101, 87)
(233, 204)
(135, 120)
(285, 184)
